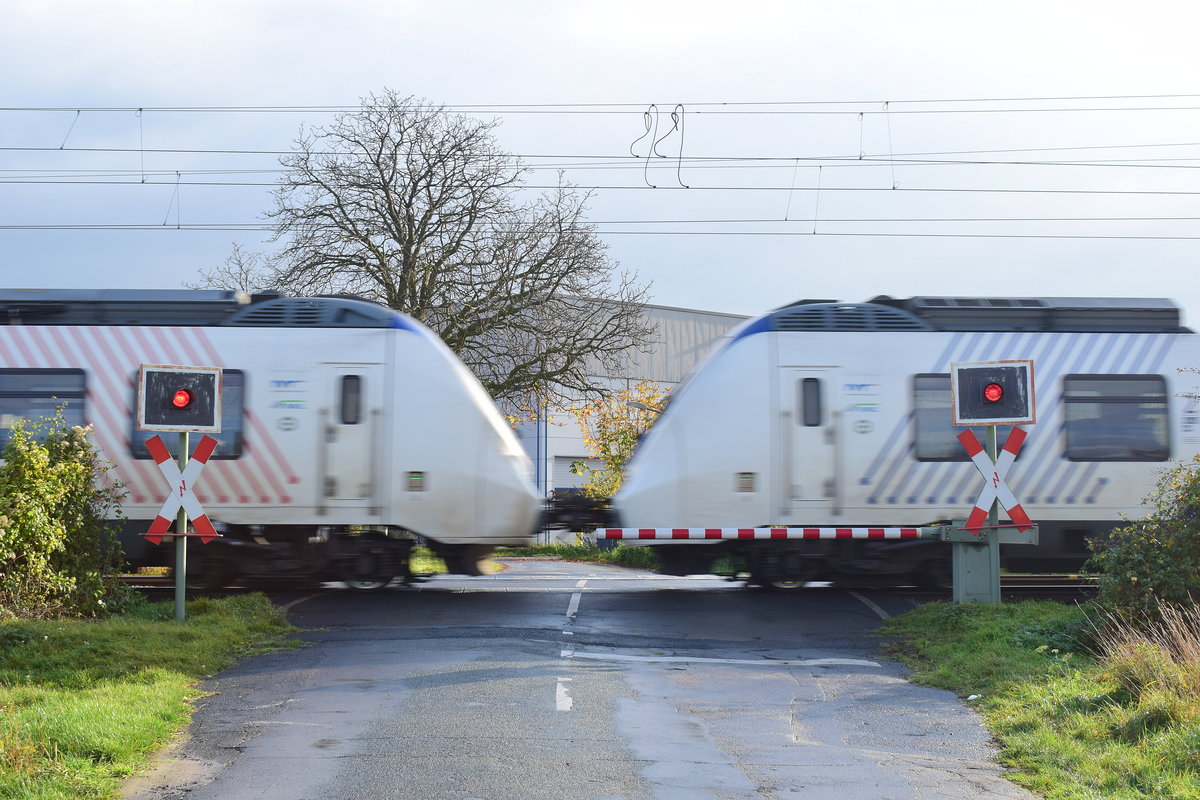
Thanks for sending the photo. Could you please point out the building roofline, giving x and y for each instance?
(699, 311)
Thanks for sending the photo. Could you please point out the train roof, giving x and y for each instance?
(189, 307)
(926, 313)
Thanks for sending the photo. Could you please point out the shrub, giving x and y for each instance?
(1154, 560)
(59, 552)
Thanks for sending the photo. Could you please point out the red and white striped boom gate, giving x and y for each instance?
(972, 581)
(708, 534)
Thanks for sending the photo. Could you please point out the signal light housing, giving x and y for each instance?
(174, 398)
(993, 393)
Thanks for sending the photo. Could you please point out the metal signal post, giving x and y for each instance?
(181, 399)
(989, 394)
(181, 521)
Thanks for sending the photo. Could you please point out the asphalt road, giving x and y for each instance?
(580, 682)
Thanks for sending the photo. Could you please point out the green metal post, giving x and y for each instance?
(181, 522)
(993, 533)
(976, 558)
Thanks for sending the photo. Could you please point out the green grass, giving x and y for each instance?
(1069, 726)
(620, 555)
(83, 703)
(424, 561)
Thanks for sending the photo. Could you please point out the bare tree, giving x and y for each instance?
(411, 206)
(242, 272)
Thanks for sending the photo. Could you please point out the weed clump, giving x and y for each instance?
(1155, 662)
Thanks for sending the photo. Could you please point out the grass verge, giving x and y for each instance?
(1079, 716)
(84, 703)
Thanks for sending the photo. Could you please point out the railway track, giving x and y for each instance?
(163, 585)
(1030, 587)
(1036, 582)
(1020, 585)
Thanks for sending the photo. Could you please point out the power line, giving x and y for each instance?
(727, 221)
(709, 165)
(134, 181)
(772, 106)
(618, 162)
(193, 227)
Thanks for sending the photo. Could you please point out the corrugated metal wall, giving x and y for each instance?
(684, 337)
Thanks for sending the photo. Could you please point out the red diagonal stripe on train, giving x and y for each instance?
(263, 434)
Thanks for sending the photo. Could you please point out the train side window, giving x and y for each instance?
(33, 395)
(935, 437)
(811, 414)
(1116, 418)
(351, 404)
(231, 439)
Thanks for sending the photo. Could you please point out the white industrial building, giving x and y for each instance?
(684, 337)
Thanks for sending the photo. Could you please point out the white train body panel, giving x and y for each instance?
(427, 450)
(731, 449)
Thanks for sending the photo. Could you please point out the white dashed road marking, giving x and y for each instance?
(573, 606)
(562, 696)
(871, 605)
(754, 662)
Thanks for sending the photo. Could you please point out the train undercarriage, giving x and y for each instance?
(782, 566)
(364, 558)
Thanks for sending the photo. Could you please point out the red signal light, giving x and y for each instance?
(182, 399)
(993, 393)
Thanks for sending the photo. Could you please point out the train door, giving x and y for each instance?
(350, 422)
(807, 403)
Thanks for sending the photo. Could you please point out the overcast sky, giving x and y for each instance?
(832, 149)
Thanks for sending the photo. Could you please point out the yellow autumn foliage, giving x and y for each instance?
(611, 429)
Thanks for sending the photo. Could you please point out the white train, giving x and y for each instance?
(347, 428)
(838, 414)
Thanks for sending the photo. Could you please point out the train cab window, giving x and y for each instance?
(230, 440)
(351, 402)
(935, 436)
(811, 415)
(33, 395)
(1115, 418)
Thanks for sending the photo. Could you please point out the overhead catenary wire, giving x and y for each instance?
(616, 163)
(668, 188)
(721, 172)
(875, 106)
(714, 221)
(183, 227)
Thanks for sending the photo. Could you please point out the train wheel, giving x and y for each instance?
(782, 569)
(370, 565)
(468, 559)
(785, 585)
(367, 586)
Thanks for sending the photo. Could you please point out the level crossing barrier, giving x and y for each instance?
(976, 571)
